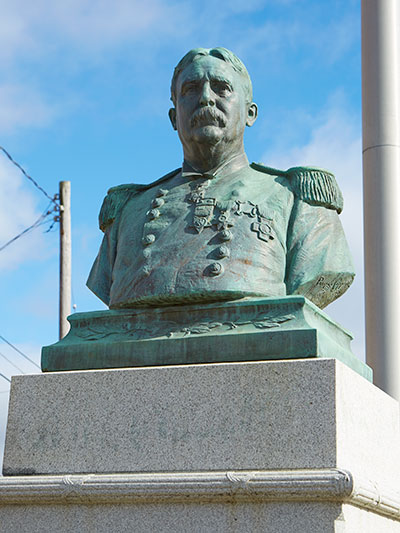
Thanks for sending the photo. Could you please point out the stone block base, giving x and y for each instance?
(302, 446)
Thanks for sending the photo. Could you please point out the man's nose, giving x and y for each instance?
(206, 95)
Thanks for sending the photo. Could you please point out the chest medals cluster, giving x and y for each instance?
(207, 211)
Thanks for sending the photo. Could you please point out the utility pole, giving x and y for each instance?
(381, 170)
(65, 257)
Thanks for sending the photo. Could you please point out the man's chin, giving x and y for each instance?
(209, 134)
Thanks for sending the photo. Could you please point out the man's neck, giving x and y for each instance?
(205, 157)
(228, 167)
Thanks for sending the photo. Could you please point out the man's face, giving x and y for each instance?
(210, 103)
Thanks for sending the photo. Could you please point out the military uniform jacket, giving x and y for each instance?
(253, 231)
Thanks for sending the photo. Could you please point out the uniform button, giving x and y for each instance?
(153, 214)
(157, 202)
(225, 235)
(162, 192)
(223, 251)
(215, 269)
(148, 239)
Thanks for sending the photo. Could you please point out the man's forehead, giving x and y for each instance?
(207, 67)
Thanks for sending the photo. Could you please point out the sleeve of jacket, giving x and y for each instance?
(100, 277)
(319, 264)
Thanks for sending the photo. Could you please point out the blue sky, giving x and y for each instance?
(84, 96)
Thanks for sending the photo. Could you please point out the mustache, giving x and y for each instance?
(205, 115)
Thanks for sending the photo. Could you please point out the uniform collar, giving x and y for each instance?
(234, 164)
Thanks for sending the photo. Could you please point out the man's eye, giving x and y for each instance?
(221, 88)
(188, 88)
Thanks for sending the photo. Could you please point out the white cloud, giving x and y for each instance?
(278, 38)
(21, 107)
(18, 210)
(39, 38)
(41, 27)
(335, 144)
(34, 36)
(15, 32)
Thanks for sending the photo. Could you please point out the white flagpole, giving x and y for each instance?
(381, 170)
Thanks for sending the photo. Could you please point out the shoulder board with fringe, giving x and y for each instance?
(118, 196)
(313, 185)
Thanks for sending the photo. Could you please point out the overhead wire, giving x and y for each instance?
(35, 183)
(39, 222)
(42, 219)
(19, 351)
(11, 363)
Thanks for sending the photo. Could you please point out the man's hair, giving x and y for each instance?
(219, 53)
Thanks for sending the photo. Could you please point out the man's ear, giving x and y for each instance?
(252, 112)
(172, 117)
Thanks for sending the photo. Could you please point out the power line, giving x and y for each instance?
(19, 351)
(35, 183)
(42, 219)
(11, 363)
(39, 222)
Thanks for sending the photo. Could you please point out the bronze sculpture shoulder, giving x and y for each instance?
(312, 185)
(118, 196)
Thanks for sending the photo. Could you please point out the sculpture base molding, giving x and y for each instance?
(317, 501)
(277, 446)
(250, 329)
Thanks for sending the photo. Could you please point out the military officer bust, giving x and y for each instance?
(219, 228)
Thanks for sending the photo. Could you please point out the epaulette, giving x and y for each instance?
(313, 185)
(118, 196)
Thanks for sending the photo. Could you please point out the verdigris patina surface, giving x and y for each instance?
(250, 329)
(216, 260)
(218, 228)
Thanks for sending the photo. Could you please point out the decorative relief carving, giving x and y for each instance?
(263, 226)
(224, 221)
(263, 230)
(169, 329)
(203, 208)
(262, 321)
(203, 214)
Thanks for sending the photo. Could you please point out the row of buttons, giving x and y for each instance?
(216, 269)
(154, 213)
(225, 235)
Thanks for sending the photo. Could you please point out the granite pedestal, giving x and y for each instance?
(279, 446)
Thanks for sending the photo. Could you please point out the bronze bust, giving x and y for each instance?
(219, 228)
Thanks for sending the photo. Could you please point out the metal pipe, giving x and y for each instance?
(381, 171)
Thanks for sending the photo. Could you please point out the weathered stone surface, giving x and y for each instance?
(274, 517)
(301, 414)
(317, 501)
(276, 447)
(247, 330)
